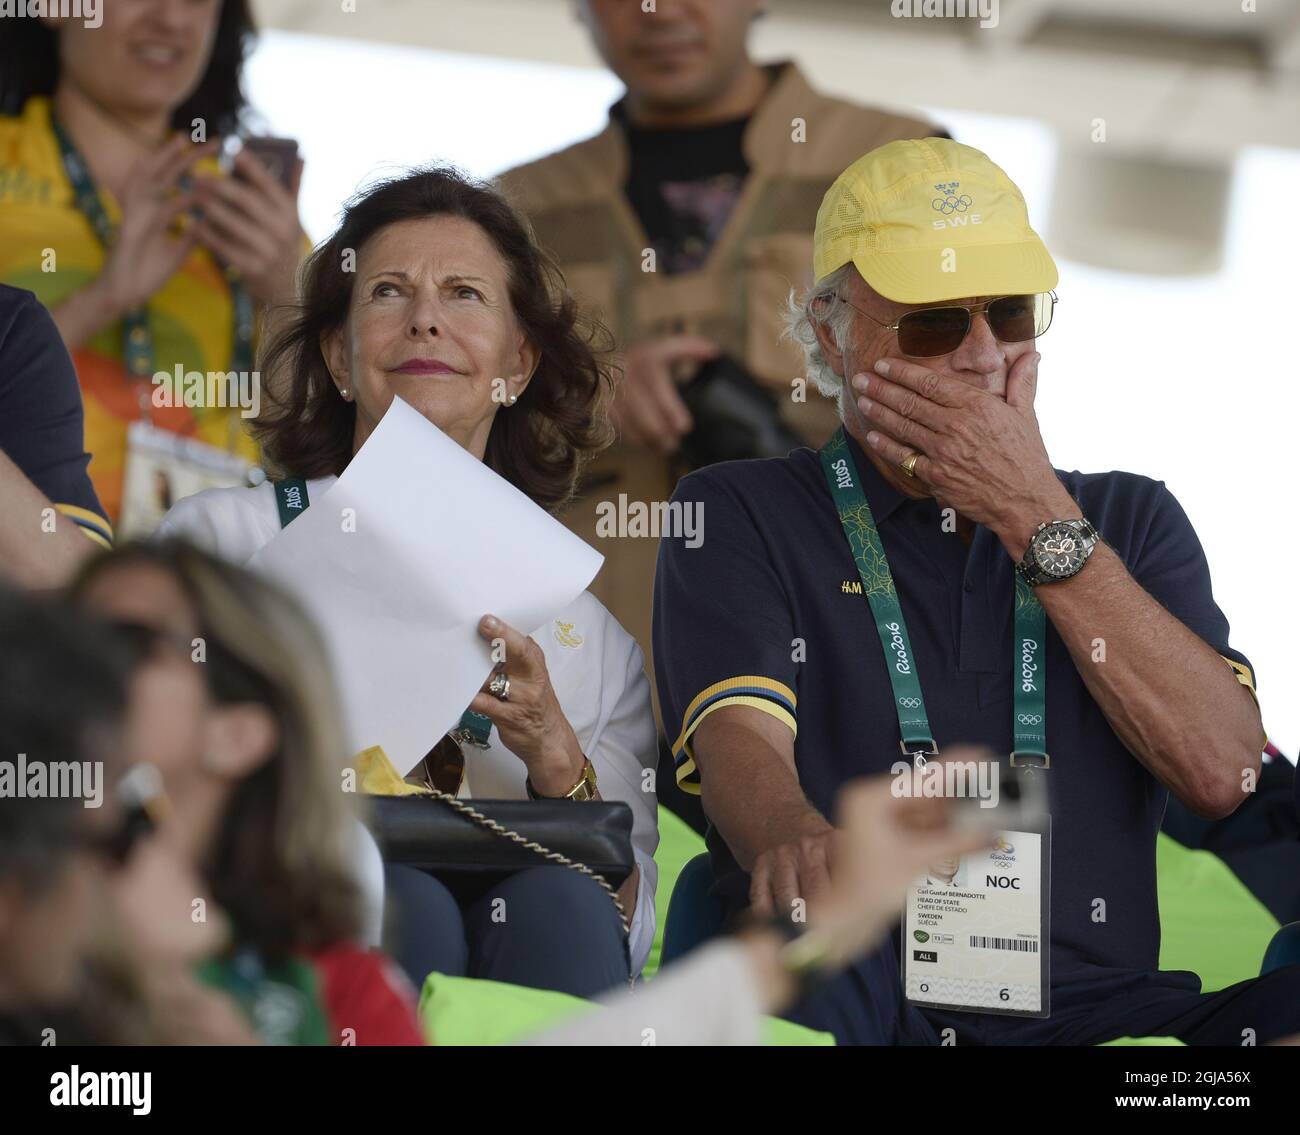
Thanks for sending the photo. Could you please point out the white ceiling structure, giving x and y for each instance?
(1150, 99)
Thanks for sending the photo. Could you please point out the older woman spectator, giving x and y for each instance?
(432, 289)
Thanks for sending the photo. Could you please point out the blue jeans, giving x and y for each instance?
(547, 928)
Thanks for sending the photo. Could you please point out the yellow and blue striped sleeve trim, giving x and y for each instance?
(91, 523)
(765, 694)
(1244, 676)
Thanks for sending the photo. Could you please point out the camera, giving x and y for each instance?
(735, 417)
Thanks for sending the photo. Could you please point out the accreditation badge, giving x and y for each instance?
(976, 930)
(162, 467)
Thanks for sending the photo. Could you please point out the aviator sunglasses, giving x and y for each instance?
(934, 331)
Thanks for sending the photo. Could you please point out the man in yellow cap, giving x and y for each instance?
(929, 578)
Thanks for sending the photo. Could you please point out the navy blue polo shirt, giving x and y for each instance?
(41, 423)
(767, 611)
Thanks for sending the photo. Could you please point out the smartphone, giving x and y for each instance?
(1021, 802)
(279, 155)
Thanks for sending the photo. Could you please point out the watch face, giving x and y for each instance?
(1058, 551)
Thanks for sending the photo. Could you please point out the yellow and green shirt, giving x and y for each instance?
(48, 247)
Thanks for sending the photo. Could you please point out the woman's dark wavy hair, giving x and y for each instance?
(540, 443)
(29, 65)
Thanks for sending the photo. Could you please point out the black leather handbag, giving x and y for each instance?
(470, 846)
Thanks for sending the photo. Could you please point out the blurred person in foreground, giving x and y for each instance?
(235, 709)
(96, 942)
(928, 538)
(114, 212)
(453, 308)
(682, 225)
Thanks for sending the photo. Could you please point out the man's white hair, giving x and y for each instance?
(822, 303)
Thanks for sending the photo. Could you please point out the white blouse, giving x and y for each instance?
(595, 666)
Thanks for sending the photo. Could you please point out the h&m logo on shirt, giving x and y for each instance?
(851, 587)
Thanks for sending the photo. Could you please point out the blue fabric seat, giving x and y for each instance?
(694, 915)
(1284, 949)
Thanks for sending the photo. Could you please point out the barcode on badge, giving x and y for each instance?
(983, 943)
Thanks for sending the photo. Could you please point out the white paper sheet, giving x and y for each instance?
(398, 561)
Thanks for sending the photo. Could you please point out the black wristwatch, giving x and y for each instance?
(1057, 550)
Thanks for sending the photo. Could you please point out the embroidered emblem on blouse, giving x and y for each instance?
(565, 637)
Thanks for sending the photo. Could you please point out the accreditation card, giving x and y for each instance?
(976, 931)
(162, 467)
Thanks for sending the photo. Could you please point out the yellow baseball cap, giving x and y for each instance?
(931, 220)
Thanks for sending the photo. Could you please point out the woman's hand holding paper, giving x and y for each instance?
(527, 713)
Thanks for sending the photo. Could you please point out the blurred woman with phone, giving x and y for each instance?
(156, 259)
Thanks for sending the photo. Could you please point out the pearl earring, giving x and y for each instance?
(513, 399)
(343, 390)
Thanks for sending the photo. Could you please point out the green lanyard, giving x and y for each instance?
(291, 500)
(137, 335)
(1029, 676)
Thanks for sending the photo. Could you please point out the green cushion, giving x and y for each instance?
(780, 1033)
(1210, 923)
(469, 1011)
(466, 1010)
(1142, 1042)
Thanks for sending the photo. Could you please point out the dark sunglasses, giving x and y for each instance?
(228, 679)
(934, 331)
(144, 638)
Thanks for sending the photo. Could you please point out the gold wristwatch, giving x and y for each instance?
(585, 789)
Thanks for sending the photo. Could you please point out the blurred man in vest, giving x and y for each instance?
(683, 226)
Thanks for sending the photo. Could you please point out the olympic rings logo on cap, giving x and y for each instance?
(951, 204)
